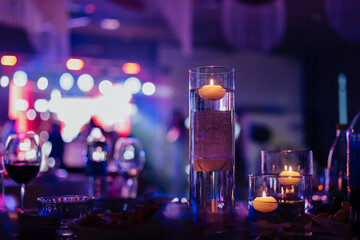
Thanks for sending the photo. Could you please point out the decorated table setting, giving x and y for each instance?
(280, 201)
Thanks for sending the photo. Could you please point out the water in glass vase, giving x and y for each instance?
(288, 216)
(212, 152)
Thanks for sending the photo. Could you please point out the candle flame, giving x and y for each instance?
(340, 183)
(264, 194)
(285, 168)
(282, 190)
(290, 169)
(212, 81)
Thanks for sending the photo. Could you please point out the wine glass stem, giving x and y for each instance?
(22, 193)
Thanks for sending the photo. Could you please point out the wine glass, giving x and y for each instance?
(129, 155)
(130, 159)
(22, 160)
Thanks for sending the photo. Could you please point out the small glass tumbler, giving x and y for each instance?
(290, 163)
(67, 208)
(212, 141)
(278, 203)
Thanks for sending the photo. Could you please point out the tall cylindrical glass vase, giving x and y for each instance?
(212, 141)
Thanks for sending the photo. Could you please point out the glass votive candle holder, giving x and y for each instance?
(277, 202)
(67, 208)
(289, 164)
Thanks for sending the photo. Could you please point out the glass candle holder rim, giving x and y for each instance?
(273, 176)
(286, 151)
(263, 175)
(282, 158)
(66, 199)
(225, 70)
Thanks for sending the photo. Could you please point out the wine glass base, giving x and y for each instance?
(65, 232)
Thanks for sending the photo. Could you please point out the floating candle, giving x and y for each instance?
(289, 177)
(265, 204)
(209, 165)
(212, 92)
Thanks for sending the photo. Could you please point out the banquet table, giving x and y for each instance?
(13, 226)
(12, 232)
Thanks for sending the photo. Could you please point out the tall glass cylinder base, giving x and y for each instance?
(212, 142)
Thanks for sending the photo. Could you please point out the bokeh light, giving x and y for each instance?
(41, 105)
(173, 134)
(131, 68)
(187, 169)
(148, 88)
(8, 60)
(45, 116)
(89, 8)
(42, 83)
(61, 173)
(55, 94)
(66, 81)
(134, 110)
(85, 82)
(11, 202)
(51, 162)
(109, 24)
(105, 87)
(21, 104)
(237, 130)
(44, 136)
(31, 114)
(77, 22)
(20, 78)
(4, 81)
(75, 64)
(187, 123)
(133, 85)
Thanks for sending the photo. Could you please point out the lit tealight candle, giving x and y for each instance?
(212, 92)
(289, 177)
(265, 204)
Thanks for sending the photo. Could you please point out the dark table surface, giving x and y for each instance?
(13, 226)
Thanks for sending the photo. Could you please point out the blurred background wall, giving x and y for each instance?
(287, 57)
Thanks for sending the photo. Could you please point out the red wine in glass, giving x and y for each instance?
(22, 173)
(22, 160)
